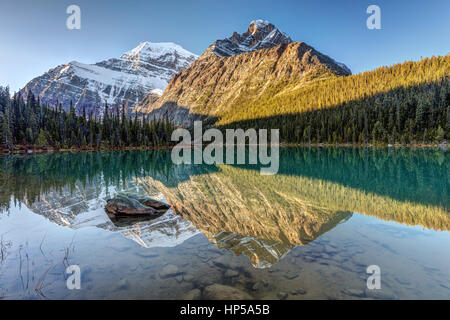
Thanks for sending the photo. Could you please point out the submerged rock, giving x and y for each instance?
(282, 295)
(130, 205)
(225, 262)
(221, 292)
(188, 277)
(259, 285)
(299, 291)
(194, 294)
(353, 292)
(169, 271)
(291, 275)
(231, 273)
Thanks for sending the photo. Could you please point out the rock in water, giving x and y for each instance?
(194, 294)
(291, 275)
(130, 205)
(231, 273)
(169, 271)
(221, 292)
(282, 295)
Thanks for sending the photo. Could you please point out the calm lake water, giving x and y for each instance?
(309, 232)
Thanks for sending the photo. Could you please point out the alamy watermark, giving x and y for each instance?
(235, 144)
(74, 280)
(374, 280)
(374, 20)
(73, 22)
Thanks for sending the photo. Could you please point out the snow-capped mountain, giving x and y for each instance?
(261, 34)
(146, 69)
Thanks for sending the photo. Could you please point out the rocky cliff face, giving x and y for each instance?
(142, 72)
(261, 34)
(234, 71)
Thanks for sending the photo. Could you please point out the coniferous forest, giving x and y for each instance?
(408, 103)
(34, 124)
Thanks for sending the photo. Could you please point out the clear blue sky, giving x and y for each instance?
(34, 37)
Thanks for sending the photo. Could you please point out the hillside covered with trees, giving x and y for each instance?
(404, 103)
(31, 123)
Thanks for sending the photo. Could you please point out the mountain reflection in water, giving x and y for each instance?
(236, 208)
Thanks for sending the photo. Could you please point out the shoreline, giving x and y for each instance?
(37, 150)
(370, 145)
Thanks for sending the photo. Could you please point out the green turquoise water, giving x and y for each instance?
(308, 232)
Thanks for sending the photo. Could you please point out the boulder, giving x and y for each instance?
(282, 295)
(291, 275)
(194, 294)
(130, 205)
(188, 277)
(169, 271)
(231, 273)
(259, 285)
(225, 262)
(299, 291)
(222, 292)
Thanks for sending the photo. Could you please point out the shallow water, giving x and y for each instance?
(309, 232)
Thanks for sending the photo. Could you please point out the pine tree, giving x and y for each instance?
(42, 139)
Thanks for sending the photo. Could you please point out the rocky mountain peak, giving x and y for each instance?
(261, 34)
(258, 27)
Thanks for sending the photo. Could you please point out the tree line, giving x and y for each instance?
(32, 123)
(405, 103)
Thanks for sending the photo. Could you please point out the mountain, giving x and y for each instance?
(261, 34)
(244, 66)
(144, 70)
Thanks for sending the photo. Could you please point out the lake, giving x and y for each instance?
(308, 232)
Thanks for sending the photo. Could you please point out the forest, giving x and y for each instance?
(31, 123)
(408, 103)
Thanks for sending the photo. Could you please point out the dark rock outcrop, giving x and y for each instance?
(128, 205)
(261, 34)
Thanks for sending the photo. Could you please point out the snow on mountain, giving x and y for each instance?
(261, 34)
(260, 23)
(84, 208)
(146, 69)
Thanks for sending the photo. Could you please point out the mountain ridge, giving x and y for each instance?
(144, 70)
(242, 65)
(261, 34)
